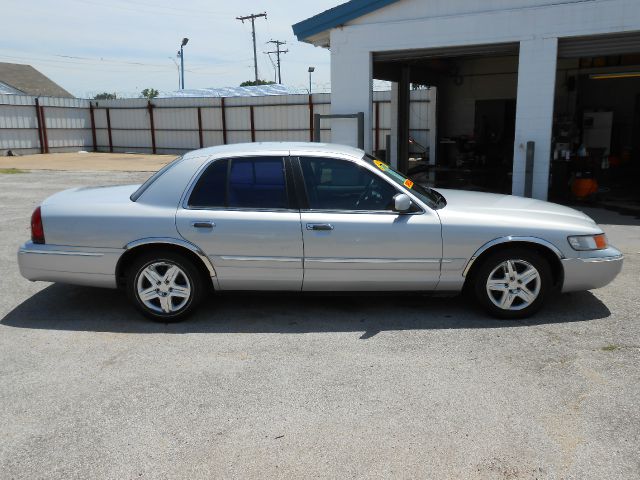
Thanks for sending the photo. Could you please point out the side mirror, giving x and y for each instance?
(401, 203)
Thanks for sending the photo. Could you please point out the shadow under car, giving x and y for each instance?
(72, 308)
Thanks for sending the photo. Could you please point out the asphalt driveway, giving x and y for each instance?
(288, 386)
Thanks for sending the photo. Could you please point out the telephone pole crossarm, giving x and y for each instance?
(253, 17)
(277, 51)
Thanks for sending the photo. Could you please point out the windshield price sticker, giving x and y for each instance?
(408, 183)
(382, 166)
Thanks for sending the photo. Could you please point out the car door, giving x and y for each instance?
(353, 240)
(241, 212)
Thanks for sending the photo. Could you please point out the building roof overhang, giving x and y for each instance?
(316, 29)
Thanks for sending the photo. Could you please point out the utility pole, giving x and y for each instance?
(277, 43)
(253, 17)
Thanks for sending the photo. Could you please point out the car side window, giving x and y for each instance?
(254, 182)
(334, 184)
(257, 183)
(210, 191)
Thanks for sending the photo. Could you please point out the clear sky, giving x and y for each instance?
(124, 46)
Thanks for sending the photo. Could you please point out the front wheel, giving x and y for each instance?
(513, 283)
(164, 286)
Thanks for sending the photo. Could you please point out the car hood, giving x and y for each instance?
(509, 208)
(107, 195)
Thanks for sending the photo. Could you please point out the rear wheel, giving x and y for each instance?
(512, 283)
(164, 286)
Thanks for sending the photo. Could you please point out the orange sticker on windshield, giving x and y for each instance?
(382, 166)
(408, 183)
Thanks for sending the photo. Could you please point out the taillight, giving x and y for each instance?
(37, 230)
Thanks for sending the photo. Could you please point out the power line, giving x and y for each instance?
(144, 8)
(253, 17)
(273, 65)
(277, 43)
(110, 63)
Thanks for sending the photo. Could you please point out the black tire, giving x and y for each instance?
(495, 266)
(189, 278)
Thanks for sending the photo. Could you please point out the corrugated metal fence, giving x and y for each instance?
(173, 125)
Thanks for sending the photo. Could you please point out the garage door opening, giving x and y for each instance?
(471, 142)
(596, 131)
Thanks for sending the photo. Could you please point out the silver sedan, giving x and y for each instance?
(310, 217)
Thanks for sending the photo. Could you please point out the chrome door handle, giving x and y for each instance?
(205, 224)
(319, 226)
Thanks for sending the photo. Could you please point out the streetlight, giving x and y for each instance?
(181, 55)
(311, 70)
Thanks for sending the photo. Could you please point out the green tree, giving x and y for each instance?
(105, 96)
(253, 83)
(149, 93)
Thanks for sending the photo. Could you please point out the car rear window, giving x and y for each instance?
(135, 195)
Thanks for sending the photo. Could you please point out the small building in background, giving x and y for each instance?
(19, 79)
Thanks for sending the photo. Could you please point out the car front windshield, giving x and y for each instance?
(429, 196)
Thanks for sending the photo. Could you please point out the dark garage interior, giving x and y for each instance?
(596, 125)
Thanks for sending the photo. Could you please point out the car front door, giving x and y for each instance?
(241, 212)
(354, 240)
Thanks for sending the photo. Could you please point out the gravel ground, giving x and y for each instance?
(288, 386)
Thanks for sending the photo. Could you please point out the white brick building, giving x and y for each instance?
(538, 54)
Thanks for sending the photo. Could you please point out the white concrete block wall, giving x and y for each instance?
(351, 70)
(534, 113)
(416, 9)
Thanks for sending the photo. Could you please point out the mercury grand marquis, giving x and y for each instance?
(310, 217)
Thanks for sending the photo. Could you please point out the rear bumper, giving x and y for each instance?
(591, 272)
(93, 267)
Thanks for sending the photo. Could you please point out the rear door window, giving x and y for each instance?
(210, 191)
(249, 182)
(257, 183)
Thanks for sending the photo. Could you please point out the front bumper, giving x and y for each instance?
(593, 271)
(93, 267)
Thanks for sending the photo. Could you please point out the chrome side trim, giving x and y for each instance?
(588, 273)
(372, 260)
(262, 259)
(53, 252)
(615, 258)
(363, 212)
(509, 239)
(469, 264)
(174, 241)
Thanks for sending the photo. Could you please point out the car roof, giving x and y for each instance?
(257, 148)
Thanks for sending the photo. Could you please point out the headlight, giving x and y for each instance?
(588, 242)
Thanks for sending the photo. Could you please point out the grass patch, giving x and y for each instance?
(12, 171)
(610, 348)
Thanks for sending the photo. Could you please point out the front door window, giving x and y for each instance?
(333, 184)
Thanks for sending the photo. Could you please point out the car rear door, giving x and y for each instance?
(353, 240)
(241, 212)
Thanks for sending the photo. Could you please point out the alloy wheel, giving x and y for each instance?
(163, 287)
(513, 285)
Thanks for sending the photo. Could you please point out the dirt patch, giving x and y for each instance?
(119, 162)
